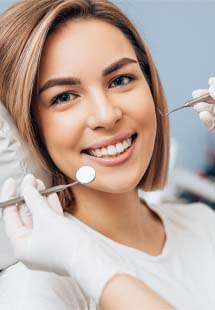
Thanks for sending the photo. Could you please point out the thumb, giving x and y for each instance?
(212, 91)
(211, 81)
(208, 120)
(55, 204)
(199, 92)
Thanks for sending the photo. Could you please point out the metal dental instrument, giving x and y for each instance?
(84, 175)
(206, 98)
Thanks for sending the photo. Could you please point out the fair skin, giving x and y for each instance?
(98, 107)
(124, 292)
(95, 110)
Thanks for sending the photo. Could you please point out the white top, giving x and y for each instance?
(25, 289)
(184, 273)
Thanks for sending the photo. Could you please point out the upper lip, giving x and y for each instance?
(110, 141)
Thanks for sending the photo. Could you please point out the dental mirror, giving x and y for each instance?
(84, 175)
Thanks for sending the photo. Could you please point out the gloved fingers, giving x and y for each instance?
(199, 92)
(8, 190)
(40, 185)
(37, 204)
(54, 203)
(211, 81)
(52, 199)
(24, 211)
(12, 220)
(212, 91)
(25, 215)
(203, 106)
(208, 120)
(28, 179)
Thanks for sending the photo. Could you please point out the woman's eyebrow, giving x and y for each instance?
(75, 81)
(118, 65)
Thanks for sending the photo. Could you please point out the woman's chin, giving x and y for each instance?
(115, 186)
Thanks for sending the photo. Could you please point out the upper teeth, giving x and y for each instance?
(112, 149)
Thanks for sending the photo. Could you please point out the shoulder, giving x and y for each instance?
(24, 289)
(198, 211)
(197, 217)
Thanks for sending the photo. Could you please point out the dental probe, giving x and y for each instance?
(206, 98)
(84, 175)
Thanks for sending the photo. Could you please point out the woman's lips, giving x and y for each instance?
(114, 160)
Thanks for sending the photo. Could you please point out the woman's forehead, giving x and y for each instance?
(84, 44)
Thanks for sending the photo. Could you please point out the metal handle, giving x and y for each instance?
(44, 192)
(206, 98)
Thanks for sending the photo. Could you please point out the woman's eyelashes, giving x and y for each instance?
(122, 80)
(117, 82)
(63, 98)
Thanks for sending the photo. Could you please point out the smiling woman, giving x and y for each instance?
(107, 101)
(84, 91)
(56, 63)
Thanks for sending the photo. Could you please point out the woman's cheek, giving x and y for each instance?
(60, 131)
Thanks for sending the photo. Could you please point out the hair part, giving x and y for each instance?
(24, 29)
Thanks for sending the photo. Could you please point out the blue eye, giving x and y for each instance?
(63, 98)
(122, 80)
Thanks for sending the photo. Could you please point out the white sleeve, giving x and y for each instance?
(212, 215)
(24, 289)
(201, 216)
(207, 215)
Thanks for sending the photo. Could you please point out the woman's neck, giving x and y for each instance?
(120, 217)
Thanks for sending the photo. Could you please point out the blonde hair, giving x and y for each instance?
(24, 29)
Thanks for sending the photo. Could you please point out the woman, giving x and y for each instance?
(84, 91)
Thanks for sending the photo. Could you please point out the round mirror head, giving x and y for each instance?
(85, 174)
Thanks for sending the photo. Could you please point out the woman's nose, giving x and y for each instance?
(103, 113)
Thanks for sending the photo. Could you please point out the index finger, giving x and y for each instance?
(36, 202)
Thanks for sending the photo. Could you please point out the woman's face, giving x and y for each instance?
(94, 100)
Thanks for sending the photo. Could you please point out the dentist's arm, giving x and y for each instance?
(205, 110)
(44, 239)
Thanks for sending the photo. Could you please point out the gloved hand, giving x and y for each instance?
(52, 242)
(206, 111)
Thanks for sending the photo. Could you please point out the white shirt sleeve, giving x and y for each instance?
(207, 215)
(203, 218)
(25, 289)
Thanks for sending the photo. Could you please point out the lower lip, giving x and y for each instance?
(115, 160)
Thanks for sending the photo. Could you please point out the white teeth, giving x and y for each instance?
(104, 151)
(98, 153)
(112, 150)
(119, 147)
(129, 141)
(125, 144)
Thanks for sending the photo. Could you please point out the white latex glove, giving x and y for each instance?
(206, 111)
(54, 243)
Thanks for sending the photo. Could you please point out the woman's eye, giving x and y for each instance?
(63, 98)
(121, 81)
